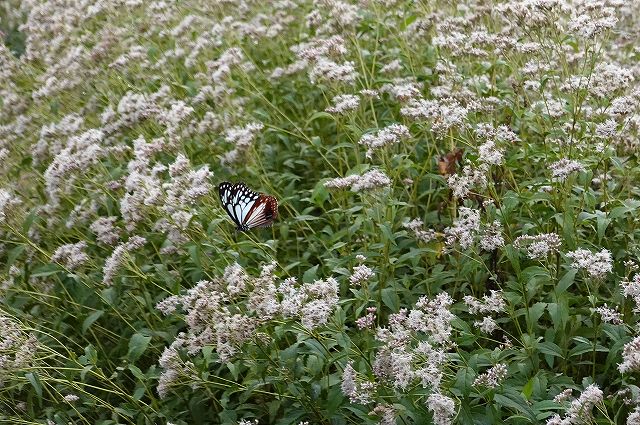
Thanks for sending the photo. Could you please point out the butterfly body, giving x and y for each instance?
(247, 209)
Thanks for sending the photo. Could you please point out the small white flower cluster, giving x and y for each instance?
(358, 389)
(416, 226)
(371, 180)
(493, 303)
(360, 274)
(538, 246)
(399, 361)
(445, 114)
(106, 230)
(491, 237)
(322, 54)
(80, 153)
(344, 103)
(579, 412)
(367, 320)
(18, 347)
(490, 154)
(609, 315)
(560, 170)
(242, 138)
(390, 135)
(464, 228)
(595, 264)
(631, 288)
(442, 407)
(493, 377)
(470, 177)
(7, 202)
(630, 356)
(467, 228)
(213, 318)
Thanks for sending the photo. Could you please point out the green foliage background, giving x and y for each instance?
(102, 343)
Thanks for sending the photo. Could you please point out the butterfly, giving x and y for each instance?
(247, 208)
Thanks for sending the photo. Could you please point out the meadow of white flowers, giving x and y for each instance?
(457, 238)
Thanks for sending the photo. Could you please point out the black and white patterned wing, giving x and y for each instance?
(237, 199)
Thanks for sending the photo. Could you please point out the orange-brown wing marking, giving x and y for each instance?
(263, 212)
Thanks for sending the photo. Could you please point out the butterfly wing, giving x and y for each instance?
(262, 213)
(238, 200)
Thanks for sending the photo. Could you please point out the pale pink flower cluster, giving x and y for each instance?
(492, 303)
(609, 315)
(323, 55)
(630, 356)
(367, 320)
(79, 155)
(403, 90)
(106, 230)
(471, 177)
(563, 396)
(634, 417)
(444, 114)
(464, 228)
(19, 348)
(631, 288)
(71, 256)
(118, 257)
(360, 274)
(7, 202)
(489, 304)
(491, 237)
(490, 153)
(587, 27)
(53, 134)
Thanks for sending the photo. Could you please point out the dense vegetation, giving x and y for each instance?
(457, 236)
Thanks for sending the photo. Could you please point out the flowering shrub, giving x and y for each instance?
(456, 240)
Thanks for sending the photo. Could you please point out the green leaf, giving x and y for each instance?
(310, 275)
(516, 402)
(306, 218)
(13, 254)
(86, 324)
(390, 299)
(46, 270)
(550, 348)
(566, 281)
(135, 371)
(137, 345)
(527, 390)
(320, 115)
(464, 381)
(603, 223)
(34, 380)
(387, 233)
